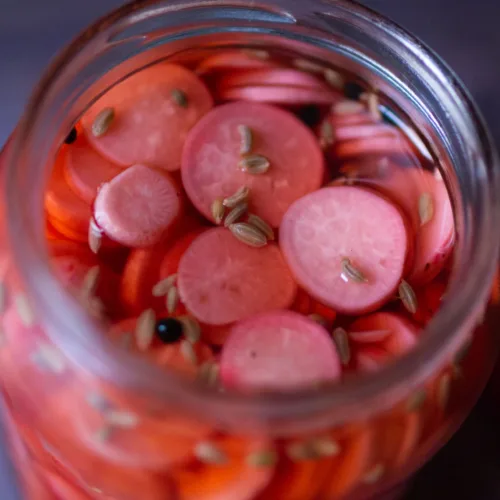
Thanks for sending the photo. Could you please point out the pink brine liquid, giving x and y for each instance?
(255, 224)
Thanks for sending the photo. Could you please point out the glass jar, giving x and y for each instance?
(86, 420)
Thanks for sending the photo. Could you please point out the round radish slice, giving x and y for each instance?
(284, 77)
(232, 479)
(175, 356)
(379, 338)
(67, 212)
(138, 206)
(426, 201)
(383, 144)
(278, 94)
(145, 267)
(222, 280)
(210, 161)
(154, 110)
(85, 170)
(346, 246)
(352, 132)
(183, 357)
(306, 305)
(278, 350)
(341, 120)
(232, 60)
(436, 237)
(429, 299)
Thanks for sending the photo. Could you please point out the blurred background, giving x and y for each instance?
(464, 32)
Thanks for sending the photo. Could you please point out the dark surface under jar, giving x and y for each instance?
(467, 467)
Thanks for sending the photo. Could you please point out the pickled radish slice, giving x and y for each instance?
(112, 465)
(67, 212)
(394, 440)
(436, 238)
(351, 119)
(352, 132)
(306, 305)
(302, 302)
(416, 190)
(150, 124)
(170, 263)
(337, 473)
(297, 480)
(380, 145)
(212, 153)
(277, 94)
(85, 170)
(371, 353)
(429, 299)
(123, 333)
(140, 438)
(215, 335)
(140, 274)
(351, 464)
(278, 350)
(145, 267)
(176, 357)
(51, 233)
(370, 359)
(335, 234)
(278, 77)
(138, 206)
(221, 279)
(399, 438)
(230, 60)
(234, 479)
(74, 260)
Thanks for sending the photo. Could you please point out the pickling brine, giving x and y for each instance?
(244, 223)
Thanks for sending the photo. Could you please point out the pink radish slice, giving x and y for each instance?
(167, 356)
(370, 359)
(232, 60)
(172, 357)
(370, 354)
(380, 145)
(339, 120)
(66, 211)
(85, 170)
(369, 336)
(292, 96)
(325, 227)
(210, 161)
(285, 77)
(150, 125)
(429, 299)
(278, 350)
(215, 335)
(434, 240)
(349, 132)
(222, 280)
(138, 206)
(123, 333)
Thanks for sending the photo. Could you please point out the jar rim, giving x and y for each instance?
(382, 387)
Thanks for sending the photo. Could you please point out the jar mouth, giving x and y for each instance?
(477, 219)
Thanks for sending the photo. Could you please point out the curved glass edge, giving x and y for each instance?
(352, 396)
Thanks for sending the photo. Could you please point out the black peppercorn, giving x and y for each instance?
(353, 90)
(71, 136)
(310, 115)
(168, 330)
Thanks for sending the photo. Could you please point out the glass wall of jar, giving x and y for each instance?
(89, 420)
